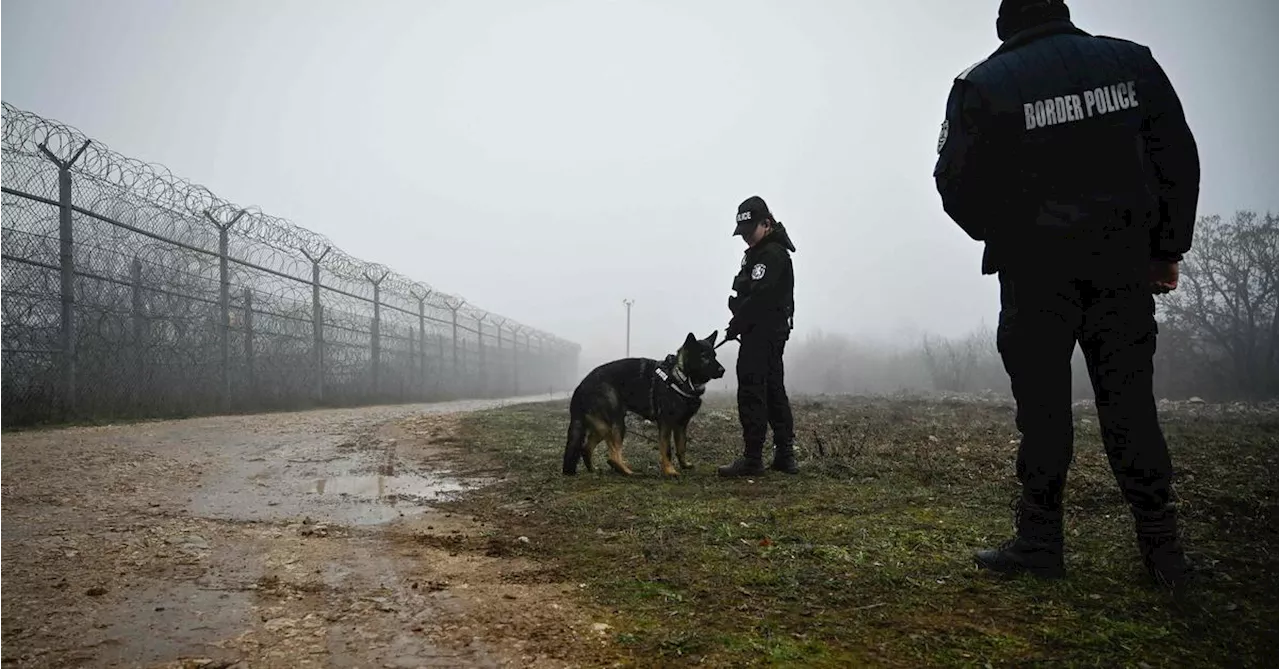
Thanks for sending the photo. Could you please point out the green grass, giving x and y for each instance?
(864, 558)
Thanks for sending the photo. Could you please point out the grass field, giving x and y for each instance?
(864, 558)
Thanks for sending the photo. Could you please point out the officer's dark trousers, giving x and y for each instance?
(762, 395)
(1041, 319)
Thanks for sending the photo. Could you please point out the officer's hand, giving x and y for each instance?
(1163, 276)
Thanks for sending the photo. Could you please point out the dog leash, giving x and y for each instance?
(726, 341)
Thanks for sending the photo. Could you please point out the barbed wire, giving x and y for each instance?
(159, 264)
(156, 192)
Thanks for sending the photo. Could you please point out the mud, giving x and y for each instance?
(281, 540)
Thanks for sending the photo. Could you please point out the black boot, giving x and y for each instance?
(750, 464)
(784, 459)
(1160, 548)
(1036, 548)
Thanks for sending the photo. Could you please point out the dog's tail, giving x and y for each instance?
(574, 444)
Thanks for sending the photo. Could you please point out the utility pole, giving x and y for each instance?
(628, 303)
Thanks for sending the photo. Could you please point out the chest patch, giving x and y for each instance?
(757, 272)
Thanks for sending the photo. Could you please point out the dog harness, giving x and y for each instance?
(675, 378)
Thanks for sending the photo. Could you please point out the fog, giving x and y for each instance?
(547, 160)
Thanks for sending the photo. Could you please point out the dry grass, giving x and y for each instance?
(864, 558)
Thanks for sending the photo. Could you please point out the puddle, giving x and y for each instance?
(376, 498)
(341, 498)
(370, 499)
(387, 488)
(294, 473)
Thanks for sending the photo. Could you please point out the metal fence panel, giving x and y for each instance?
(130, 292)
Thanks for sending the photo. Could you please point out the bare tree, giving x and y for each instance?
(966, 364)
(1224, 310)
(951, 363)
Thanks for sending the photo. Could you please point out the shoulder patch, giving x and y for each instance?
(757, 272)
(965, 74)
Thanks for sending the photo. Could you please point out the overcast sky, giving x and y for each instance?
(547, 159)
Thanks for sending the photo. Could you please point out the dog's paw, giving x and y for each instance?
(672, 473)
(685, 464)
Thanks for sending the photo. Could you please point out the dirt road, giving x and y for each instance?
(278, 540)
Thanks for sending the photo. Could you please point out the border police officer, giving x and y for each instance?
(762, 319)
(1068, 155)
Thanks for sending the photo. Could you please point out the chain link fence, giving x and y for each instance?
(130, 292)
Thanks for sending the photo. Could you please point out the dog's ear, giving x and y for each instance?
(690, 340)
(712, 339)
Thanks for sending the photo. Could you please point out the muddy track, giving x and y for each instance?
(280, 540)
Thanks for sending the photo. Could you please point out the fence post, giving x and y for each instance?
(497, 355)
(528, 350)
(67, 262)
(67, 267)
(481, 388)
(413, 364)
(374, 332)
(515, 360)
(422, 339)
(375, 343)
(317, 321)
(422, 349)
(318, 316)
(224, 316)
(439, 358)
(456, 380)
(224, 304)
(248, 348)
(139, 335)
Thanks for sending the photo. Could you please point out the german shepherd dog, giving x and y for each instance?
(668, 393)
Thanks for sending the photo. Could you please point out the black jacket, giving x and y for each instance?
(1067, 149)
(765, 286)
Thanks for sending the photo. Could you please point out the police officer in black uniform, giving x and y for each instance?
(1068, 155)
(762, 320)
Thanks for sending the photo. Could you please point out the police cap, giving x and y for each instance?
(751, 213)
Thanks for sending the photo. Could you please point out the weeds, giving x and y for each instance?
(864, 557)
